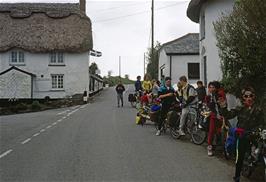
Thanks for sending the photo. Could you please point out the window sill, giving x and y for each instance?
(57, 90)
(56, 64)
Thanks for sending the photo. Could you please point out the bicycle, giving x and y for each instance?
(198, 135)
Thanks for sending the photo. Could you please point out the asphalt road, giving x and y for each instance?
(99, 142)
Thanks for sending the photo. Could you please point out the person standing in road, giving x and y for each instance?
(138, 85)
(119, 90)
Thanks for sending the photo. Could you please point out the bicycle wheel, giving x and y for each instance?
(198, 136)
(133, 104)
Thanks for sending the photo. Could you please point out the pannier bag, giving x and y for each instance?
(131, 98)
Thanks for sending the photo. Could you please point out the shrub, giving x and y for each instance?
(21, 106)
(35, 105)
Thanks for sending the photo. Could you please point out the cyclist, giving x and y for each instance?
(138, 86)
(188, 96)
(147, 85)
(250, 117)
(215, 119)
(166, 94)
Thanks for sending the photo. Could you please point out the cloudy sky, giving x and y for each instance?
(123, 28)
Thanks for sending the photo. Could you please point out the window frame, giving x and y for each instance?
(56, 59)
(17, 57)
(189, 71)
(57, 82)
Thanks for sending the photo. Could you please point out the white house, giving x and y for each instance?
(206, 12)
(44, 50)
(180, 57)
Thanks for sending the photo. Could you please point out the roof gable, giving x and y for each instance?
(15, 68)
(44, 27)
(185, 45)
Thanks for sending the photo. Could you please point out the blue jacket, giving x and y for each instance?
(138, 85)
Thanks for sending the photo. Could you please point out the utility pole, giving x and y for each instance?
(152, 27)
(120, 67)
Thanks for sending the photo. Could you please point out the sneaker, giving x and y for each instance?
(158, 133)
(209, 150)
(182, 133)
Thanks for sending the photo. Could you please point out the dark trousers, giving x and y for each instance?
(120, 97)
(243, 147)
(164, 110)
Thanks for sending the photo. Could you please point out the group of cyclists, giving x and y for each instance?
(249, 115)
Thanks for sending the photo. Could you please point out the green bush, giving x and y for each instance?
(35, 105)
(21, 106)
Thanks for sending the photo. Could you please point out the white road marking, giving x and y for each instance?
(42, 130)
(64, 117)
(36, 134)
(26, 141)
(5, 153)
(49, 126)
(59, 120)
(82, 107)
(54, 123)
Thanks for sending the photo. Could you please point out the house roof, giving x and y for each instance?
(193, 10)
(15, 68)
(44, 27)
(185, 45)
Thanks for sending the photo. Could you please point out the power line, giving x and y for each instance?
(138, 13)
(119, 7)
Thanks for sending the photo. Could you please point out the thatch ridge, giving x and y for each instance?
(44, 27)
(193, 10)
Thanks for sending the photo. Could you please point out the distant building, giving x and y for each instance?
(206, 12)
(180, 57)
(44, 50)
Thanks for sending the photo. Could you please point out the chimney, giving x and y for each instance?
(82, 5)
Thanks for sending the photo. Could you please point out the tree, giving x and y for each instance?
(93, 67)
(126, 76)
(153, 61)
(110, 73)
(241, 38)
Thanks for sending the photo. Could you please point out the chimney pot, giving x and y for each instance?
(82, 5)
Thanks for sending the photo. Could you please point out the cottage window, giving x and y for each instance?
(56, 58)
(17, 57)
(193, 71)
(57, 81)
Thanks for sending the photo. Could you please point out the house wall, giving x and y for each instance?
(15, 84)
(75, 70)
(213, 11)
(180, 67)
(163, 61)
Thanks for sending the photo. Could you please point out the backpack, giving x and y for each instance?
(230, 143)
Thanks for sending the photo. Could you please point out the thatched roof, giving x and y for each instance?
(44, 27)
(193, 10)
(185, 45)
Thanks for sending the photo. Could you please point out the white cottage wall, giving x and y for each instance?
(213, 10)
(180, 67)
(15, 84)
(164, 62)
(75, 71)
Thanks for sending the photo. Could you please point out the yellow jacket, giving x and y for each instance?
(146, 85)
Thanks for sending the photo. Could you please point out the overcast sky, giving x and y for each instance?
(123, 28)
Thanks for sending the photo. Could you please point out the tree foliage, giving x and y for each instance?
(241, 38)
(153, 61)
